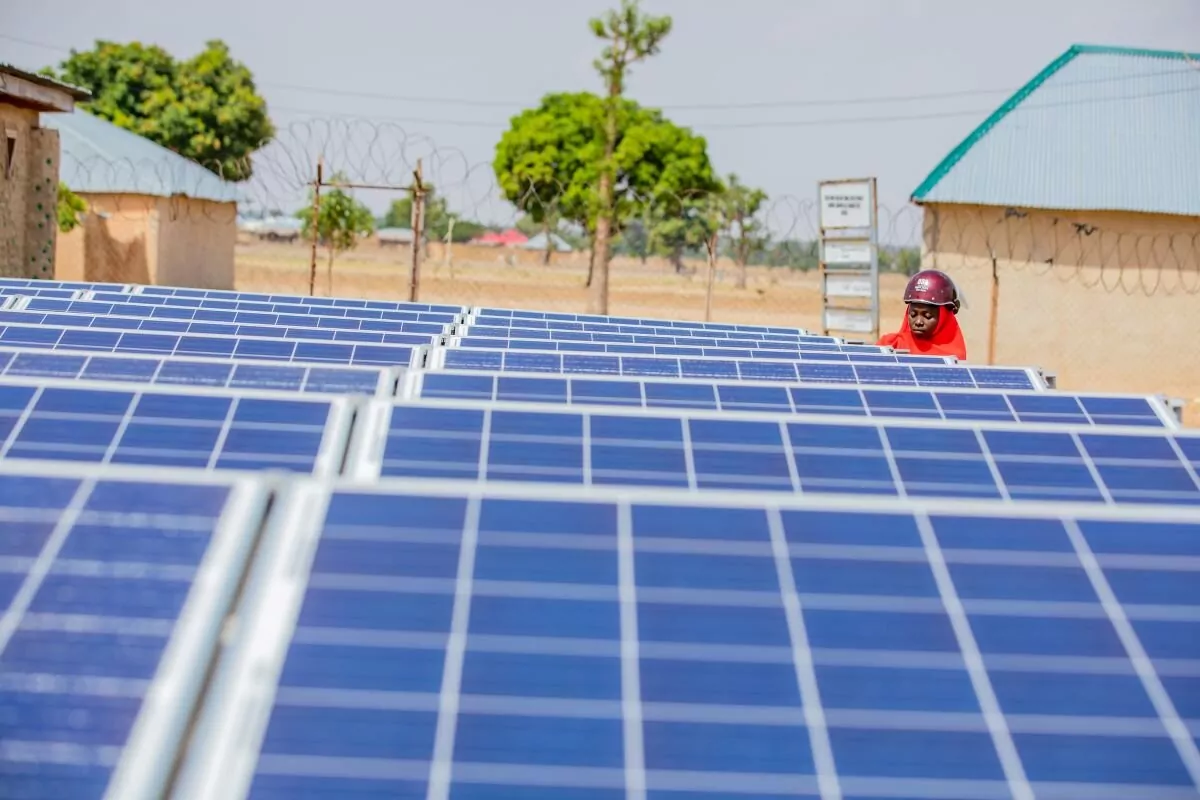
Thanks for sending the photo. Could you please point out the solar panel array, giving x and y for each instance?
(521, 554)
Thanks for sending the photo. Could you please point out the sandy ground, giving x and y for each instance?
(482, 276)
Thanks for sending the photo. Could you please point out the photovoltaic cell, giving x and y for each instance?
(774, 351)
(112, 592)
(530, 318)
(932, 375)
(257, 331)
(669, 336)
(177, 429)
(521, 644)
(906, 459)
(652, 327)
(191, 314)
(46, 337)
(228, 311)
(174, 371)
(37, 283)
(977, 405)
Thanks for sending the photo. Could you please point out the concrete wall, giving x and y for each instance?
(1109, 301)
(151, 240)
(28, 195)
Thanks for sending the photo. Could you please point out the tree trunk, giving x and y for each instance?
(549, 243)
(329, 273)
(677, 260)
(598, 289)
(591, 260)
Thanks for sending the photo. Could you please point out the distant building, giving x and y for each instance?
(538, 242)
(1088, 175)
(154, 217)
(509, 238)
(29, 170)
(394, 237)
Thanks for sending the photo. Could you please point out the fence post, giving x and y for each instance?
(316, 226)
(418, 230)
(711, 245)
(992, 322)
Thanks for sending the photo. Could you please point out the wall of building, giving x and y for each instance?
(151, 240)
(28, 195)
(1108, 301)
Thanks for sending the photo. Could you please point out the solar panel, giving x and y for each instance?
(215, 373)
(669, 337)
(432, 642)
(247, 348)
(529, 318)
(129, 305)
(179, 313)
(776, 352)
(650, 328)
(882, 401)
(258, 331)
(194, 427)
(703, 450)
(930, 375)
(38, 283)
(114, 591)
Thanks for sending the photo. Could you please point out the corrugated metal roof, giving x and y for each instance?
(75, 92)
(100, 158)
(1100, 128)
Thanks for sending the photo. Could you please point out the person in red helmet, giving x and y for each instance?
(931, 326)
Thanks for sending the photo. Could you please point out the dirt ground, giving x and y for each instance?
(506, 279)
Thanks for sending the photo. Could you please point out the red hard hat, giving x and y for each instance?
(932, 287)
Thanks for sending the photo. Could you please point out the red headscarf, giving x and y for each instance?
(946, 339)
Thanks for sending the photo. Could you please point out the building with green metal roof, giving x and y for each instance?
(1073, 210)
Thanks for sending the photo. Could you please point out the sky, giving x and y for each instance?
(786, 92)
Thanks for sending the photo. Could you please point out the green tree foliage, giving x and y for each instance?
(341, 222)
(438, 218)
(549, 161)
(70, 207)
(739, 206)
(205, 108)
(630, 37)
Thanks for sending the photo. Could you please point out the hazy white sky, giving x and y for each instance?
(784, 80)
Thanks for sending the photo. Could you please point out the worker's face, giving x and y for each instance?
(922, 319)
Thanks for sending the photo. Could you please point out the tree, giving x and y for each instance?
(205, 108)
(739, 204)
(437, 218)
(549, 160)
(341, 222)
(631, 37)
(70, 207)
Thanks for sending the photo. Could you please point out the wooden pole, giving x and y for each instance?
(316, 226)
(993, 322)
(418, 229)
(711, 244)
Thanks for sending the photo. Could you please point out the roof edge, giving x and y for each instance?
(1101, 49)
(76, 93)
(1000, 113)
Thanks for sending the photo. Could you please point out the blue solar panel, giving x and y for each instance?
(530, 645)
(177, 308)
(668, 337)
(890, 401)
(113, 592)
(193, 428)
(650, 327)
(37, 283)
(259, 331)
(252, 349)
(706, 451)
(175, 371)
(259, 297)
(10, 293)
(943, 375)
(776, 352)
(531, 318)
(179, 313)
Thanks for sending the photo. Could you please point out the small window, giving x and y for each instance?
(10, 153)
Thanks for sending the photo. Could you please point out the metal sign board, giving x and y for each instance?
(847, 204)
(838, 253)
(840, 285)
(852, 320)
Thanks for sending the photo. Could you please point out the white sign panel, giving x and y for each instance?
(848, 286)
(847, 252)
(846, 205)
(850, 320)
